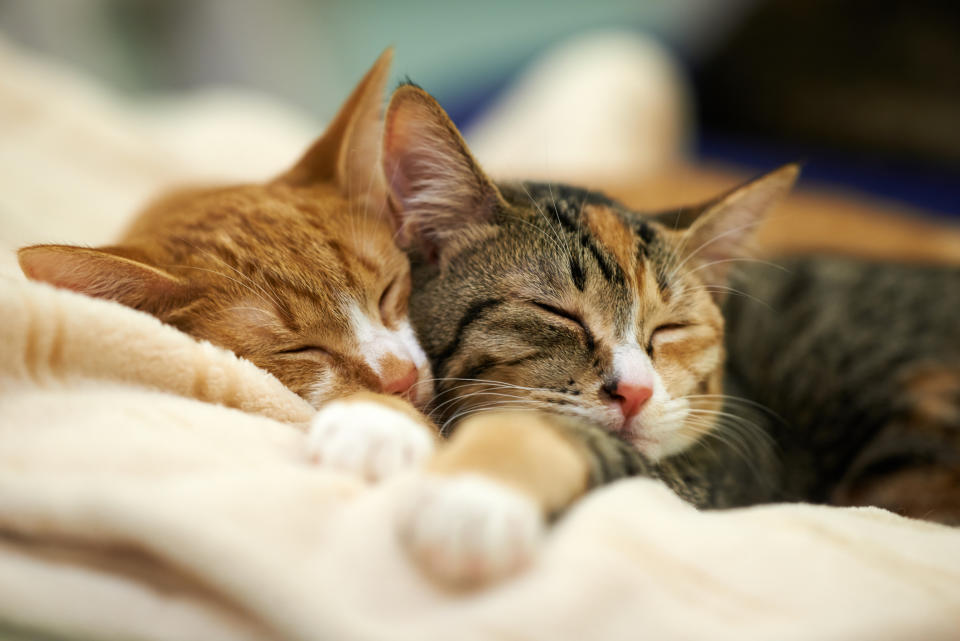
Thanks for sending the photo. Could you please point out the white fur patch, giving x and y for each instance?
(658, 425)
(467, 530)
(367, 439)
(377, 342)
(631, 363)
(404, 334)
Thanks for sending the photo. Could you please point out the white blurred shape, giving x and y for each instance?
(600, 107)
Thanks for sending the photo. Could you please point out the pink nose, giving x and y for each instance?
(399, 380)
(631, 397)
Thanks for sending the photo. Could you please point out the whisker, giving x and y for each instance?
(210, 254)
(222, 275)
(707, 243)
(461, 415)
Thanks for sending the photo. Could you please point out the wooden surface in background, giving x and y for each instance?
(812, 218)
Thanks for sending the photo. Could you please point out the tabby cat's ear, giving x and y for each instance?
(348, 151)
(103, 273)
(719, 232)
(437, 187)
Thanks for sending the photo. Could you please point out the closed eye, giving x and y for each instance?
(393, 300)
(385, 297)
(573, 318)
(307, 350)
(663, 331)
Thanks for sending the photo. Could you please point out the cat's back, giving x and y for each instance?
(842, 348)
(822, 302)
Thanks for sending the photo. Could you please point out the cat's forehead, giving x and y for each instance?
(305, 229)
(580, 220)
(304, 249)
(618, 261)
(584, 213)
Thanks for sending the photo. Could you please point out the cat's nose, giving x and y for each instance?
(399, 379)
(631, 396)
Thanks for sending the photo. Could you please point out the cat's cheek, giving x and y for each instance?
(468, 530)
(367, 439)
(659, 430)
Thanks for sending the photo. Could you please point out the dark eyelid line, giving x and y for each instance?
(664, 327)
(303, 348)
(387, 289)
(547, 307)
(667, 326)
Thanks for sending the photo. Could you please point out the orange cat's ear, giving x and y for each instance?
(436, 186)
(718, 233)
(103, 273)
(348, 152)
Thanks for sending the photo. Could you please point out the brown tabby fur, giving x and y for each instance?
(542, 298)
(836, 380)
(276, 272)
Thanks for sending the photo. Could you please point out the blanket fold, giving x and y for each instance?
(155, 488)
(136, 503)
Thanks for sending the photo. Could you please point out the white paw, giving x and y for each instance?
(468, 530)
(367, 439)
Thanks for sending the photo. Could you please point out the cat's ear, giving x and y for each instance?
(103, 273)
(719, 232)
(436, 186)
(348, 153)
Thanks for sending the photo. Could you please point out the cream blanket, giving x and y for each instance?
(154, 487)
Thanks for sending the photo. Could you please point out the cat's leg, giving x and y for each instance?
(928, 492)
(371, 435)
(481, 508)
(912, 465)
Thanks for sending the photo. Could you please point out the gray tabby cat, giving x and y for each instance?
(577, 342)
(858, 366)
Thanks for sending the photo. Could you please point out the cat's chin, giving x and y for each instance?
(657, 448)
(422, 391)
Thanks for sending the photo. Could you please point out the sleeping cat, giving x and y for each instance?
(857, 366)
(299, 275)
(594, 332)
(576, 342)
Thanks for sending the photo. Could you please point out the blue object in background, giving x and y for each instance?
(934, 189)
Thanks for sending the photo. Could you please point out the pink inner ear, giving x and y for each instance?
(59, 267)
(100, 274)
(437, 187)
(402, 147)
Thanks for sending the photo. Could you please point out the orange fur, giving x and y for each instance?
(300, 274)
(522, 450)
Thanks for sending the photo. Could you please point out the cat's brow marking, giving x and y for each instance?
(472, 314)
(577, 274)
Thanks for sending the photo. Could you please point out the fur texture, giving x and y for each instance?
(299, 275)
(598, 328)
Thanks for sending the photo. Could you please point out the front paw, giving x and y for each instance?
(466, 530)
(368, 439)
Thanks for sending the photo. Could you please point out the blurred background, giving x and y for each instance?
(865, 92)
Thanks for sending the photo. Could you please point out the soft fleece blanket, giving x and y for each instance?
(154, 487)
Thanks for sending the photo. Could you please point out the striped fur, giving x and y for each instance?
(541, 298)
(300, 274)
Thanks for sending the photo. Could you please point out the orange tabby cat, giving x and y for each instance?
(299, 275)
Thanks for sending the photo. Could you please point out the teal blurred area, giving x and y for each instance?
(864, 91)
(310, 53)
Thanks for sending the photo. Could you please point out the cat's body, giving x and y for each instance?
(576, 342)
(300, 275)
(857, 366)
